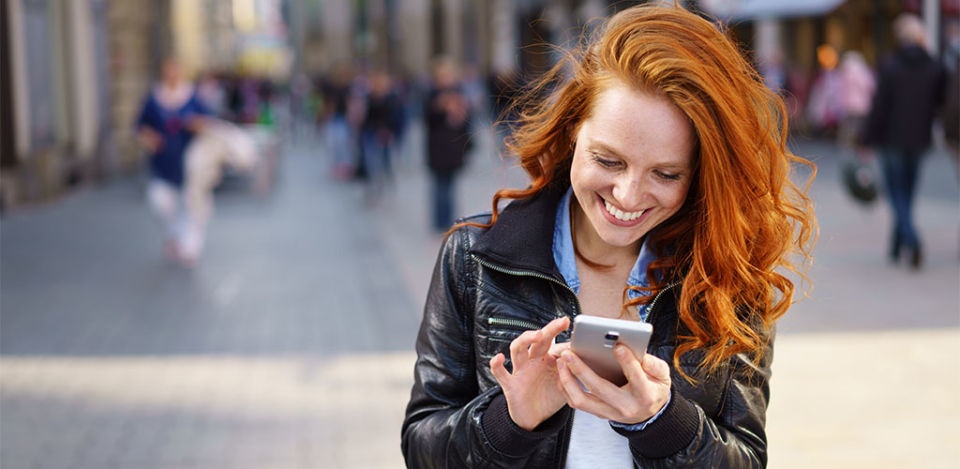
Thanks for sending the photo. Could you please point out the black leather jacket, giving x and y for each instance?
(488, 287)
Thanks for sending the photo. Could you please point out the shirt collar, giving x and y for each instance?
(566, 261)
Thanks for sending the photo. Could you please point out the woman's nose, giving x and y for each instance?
(628, 190)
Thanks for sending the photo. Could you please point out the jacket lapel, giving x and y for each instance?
(522, 237)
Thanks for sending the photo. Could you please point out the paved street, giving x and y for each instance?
(290, 345)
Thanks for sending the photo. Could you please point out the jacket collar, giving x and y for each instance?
(522, 237)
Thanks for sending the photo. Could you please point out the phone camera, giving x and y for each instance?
(612, 336)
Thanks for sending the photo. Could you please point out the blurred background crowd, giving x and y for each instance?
(75, 73)
(290, 344)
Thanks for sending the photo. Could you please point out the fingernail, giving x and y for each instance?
(620, 351)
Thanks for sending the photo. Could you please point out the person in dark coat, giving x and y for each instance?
(909, 90)
(379, 132)
(446, 111)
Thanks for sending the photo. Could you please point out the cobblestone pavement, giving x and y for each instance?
(290, 345)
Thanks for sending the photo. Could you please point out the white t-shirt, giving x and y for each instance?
(594, 444)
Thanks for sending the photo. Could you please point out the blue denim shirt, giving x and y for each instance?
(565, 258)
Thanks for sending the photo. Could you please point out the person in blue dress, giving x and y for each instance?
(171, 115)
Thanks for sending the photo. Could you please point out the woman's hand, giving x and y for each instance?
(646, 392)
(532, 391)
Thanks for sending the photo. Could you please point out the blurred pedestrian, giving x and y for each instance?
(410, 101)
(233, 90)
(301, 102)
(774, 71)
(266, 94)
(211, 93)
(338, 131)
(219, 146)
(448, 138)
(171, 115)
(379, 133)
(909, 90)
(857, 85)
(659, 191)
(825, 105)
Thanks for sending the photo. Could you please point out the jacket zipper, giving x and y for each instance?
(530, 273)
(654, 302)
(515, 323)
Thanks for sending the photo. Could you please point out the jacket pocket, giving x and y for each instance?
(502, 329)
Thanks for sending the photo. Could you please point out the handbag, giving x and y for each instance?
(860, 181)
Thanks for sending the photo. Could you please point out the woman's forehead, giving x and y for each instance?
(626, 121)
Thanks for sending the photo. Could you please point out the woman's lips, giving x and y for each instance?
(619, 217)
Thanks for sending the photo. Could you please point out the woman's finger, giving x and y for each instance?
(577, 397)
(656, 368)
(557, 349)
(569, 384)
(555, 327)
(630, 364)
(545, 336)
(539, 346)
(599, 387)
(499, 371)
(518, 348)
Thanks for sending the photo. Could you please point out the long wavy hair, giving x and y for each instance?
(743, 217)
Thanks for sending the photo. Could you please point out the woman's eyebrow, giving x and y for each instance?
(607, 149)
(603, 147)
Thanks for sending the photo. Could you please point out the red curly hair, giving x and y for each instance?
(743, 216)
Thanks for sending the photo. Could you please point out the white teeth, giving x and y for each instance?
(621, 215)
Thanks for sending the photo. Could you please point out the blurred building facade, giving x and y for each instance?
(55, 95)
(73, 73)
(404, 35)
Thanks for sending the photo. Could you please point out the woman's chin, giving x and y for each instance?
(621, 240)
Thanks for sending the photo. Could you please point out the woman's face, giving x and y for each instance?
(632, 165)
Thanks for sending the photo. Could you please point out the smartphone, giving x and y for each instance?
(594, 338)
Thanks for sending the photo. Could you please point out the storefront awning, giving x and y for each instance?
(756, 9)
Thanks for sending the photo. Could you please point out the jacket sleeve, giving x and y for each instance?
(444, 422)
(685, 436)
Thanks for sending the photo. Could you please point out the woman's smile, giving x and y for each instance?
(619, 217)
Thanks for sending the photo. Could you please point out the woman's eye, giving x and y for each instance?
(605, 162)
(667, 176)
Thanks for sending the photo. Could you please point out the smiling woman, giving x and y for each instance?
(659, 191)
(640, 178)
